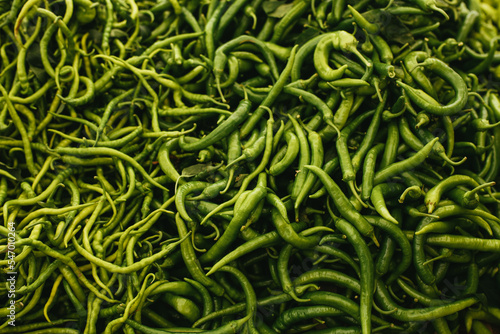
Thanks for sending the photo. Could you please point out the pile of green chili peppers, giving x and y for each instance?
(249, 166)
